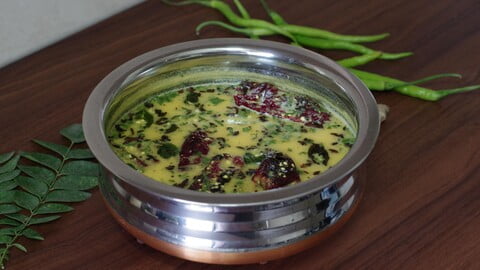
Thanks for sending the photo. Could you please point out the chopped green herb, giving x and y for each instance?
(192, 97)
(251, 158)
(172, 128)
(205, 161)
(270, 142)
(243, 112)
(247, 129)
(163, 98)
(232, 132)
(318, 154)
(144, 115)
(216, 100)
(348, 141)
(289, 128)
(167, 150)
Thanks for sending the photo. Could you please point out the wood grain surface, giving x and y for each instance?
(421, 208)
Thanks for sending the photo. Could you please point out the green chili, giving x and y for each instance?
(377, 82)
(276, 18)
(244, 14)
(316, 32)
(242, 9)
(320, 33)
(359, 60)
(317, 38)
(245, 31)
(326, 44)
(288, 30)
(235, 19)
(307, 41)
(379, 85)
(308, 37)
(321, 39)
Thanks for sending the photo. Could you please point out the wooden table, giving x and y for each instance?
(421, 208)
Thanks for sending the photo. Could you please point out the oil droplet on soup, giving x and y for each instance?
(231, 138)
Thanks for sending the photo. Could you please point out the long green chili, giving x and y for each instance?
(318, 43)
(276, 18)
(322, 39)
(308, 38)
(359, 60)
(326, 44)
(379, 85)
(244, 14)
(288, 30)
(235, 19)
(244, 31)
(379, 82)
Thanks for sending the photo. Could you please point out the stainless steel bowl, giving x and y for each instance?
(230, 228)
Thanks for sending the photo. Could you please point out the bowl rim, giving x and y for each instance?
(96, 105)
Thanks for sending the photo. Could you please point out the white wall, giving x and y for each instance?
(29, 25)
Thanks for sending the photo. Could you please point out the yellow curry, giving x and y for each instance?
(247, 137)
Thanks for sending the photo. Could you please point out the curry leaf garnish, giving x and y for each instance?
(36, 194)
(216, 100)
(5, 157)
(167, 150)
(9, 165)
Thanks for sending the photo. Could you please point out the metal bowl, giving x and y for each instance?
(230, 228)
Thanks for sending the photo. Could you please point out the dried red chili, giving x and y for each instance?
(266, 98)
(196, 143)
(277, 170)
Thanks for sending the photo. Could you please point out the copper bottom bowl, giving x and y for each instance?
(230, 228)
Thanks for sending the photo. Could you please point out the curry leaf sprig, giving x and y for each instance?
(321, 39)
(37, 194)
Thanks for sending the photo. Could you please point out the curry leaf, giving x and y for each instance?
(5, 239)
(39, 173)
(41, 220)
(74, 133)
(8, 185)
(32, 234)
(18, 217)
(26, 200)
(9, 175)
(80, 154)
(81, 167)
(10, 165)
(36, 188)
(9, 209)
(9, 221)
(20, 246)
(52, 208)
(6, 156)
(8, 231)
(73, 182)
(6, 196)
(33, 186)
(43, 159)
(67, 196)
(57, 148)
